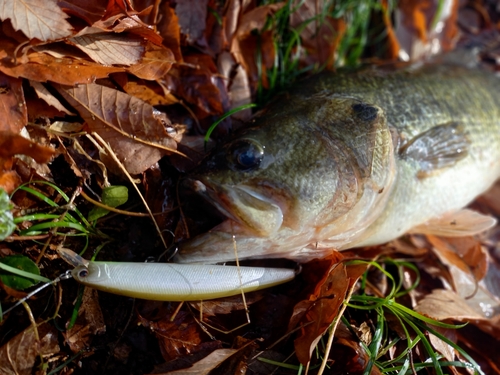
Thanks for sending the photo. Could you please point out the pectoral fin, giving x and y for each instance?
(440, 147)
(457, 224)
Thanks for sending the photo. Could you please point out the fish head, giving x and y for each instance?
(300, 166)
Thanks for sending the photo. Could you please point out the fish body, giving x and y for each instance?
(354, 159)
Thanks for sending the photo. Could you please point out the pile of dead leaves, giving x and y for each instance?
(93, 91)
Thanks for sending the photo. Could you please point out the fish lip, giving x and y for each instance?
(220, 196)
(205, 190)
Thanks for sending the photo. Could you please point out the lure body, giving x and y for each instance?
(177, 282)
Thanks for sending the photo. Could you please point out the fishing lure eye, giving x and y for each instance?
(245, 154)
(83, 273)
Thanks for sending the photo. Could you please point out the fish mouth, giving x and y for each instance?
(253, 212)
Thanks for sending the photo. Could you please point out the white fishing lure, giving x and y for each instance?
(177, 282)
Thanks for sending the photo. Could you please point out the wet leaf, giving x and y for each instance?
(109, 48)
(40, 19)
(7, 225)
(123, 121)
(18, 355)
(12, 104)
(22, 263)
(192, 15)
(320, 310)
(112, 196)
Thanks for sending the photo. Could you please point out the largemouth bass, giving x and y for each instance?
(354, 159)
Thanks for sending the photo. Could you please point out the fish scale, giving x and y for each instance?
(356, 158)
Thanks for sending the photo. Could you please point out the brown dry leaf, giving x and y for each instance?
(109, 48)
(12, 105)
(466, 260)
(348, 354)
(155, 63)
(419, 33)
(201, 85)
(392, 44)
(321, 309)
(207, 364)
(244, 43)
(466, 253)
(148, 91)
(90, 10)
(179, 337)
(170, 31)
(226, 305)
(18, 356)
(44, 94)
(90, 322)
(133, 25)
(192, 16)
(444, 304)
(13, 144)
(442, 347)
(40, 19)
(321, 35)
(237, 84)
(42, 67)
(447, 305)
(124, 122)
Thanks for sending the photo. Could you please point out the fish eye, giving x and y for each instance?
(245, 154)
(83, 273)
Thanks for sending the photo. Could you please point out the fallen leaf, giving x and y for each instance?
(226, 305)
(418, 30)
(177, 338)
(42, 67)
(109, 48)
(200, 84)
(90, 322)
(320, 311)
(320, 35)
(40, 19)
(170, 31)
(124, 122)
(18, 355)
(14, 144)
(443, 304)
(148, 91)
(192, 15)
(207, 364)
(12, 105)
(467, 253)
(89, 10)
(154, 64)
(464, 275)
(43, 93)
(245, 43)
